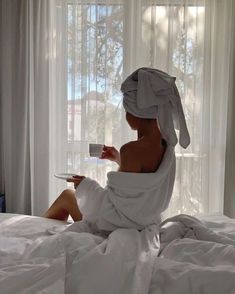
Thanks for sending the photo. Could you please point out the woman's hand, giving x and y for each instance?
(76, 180)
(111, 153)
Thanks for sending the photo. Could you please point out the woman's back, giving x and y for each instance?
(143, 155)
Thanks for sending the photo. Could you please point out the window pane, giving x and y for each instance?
(94, 71)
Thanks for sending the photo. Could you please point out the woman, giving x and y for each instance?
(135, 156)
(152, 103)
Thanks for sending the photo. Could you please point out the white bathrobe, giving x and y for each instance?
(129, 200)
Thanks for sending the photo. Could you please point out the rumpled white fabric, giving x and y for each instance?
(129, 200)
(185, 226)
(194, 258)
(152, 93)
(35, 275)
(199, 257)
(77, 260)
(19, 274)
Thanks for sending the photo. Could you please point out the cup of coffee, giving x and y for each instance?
(95, 150)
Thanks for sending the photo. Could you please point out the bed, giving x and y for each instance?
(38, 255)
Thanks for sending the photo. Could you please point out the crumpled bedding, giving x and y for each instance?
(38, 255)
(75, 258)
(196, 256)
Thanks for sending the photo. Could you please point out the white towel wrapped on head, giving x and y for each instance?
(152, 93)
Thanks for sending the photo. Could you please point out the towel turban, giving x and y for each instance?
(151, 93)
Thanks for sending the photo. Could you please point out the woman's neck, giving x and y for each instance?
(148, 129)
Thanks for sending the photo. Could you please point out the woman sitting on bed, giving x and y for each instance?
(141, 156)
(146, 97)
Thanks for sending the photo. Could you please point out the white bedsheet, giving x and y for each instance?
(28, 275)
(196, 257)
(78, 261)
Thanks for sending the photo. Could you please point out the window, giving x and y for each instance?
(94, 75)
(177, 45)
(99, 54)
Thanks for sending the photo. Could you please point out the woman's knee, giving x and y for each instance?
(68, 192)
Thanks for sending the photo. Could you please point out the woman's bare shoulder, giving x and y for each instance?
(128, 158)
(129, 146)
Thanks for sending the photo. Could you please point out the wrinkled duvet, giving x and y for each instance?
(189, 255)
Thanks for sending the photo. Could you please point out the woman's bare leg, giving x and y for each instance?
(64, 205)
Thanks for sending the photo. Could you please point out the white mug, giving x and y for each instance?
(95, 150)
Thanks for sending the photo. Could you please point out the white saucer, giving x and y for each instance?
(64, 176)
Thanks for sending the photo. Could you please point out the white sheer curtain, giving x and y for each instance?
(61, 90)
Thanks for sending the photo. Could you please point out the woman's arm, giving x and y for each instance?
(126, 159)
(76, 180)
(111, 153)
